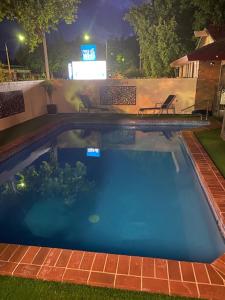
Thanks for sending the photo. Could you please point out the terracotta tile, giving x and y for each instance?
(75, 259)
(161, 268)
(41, 256)
(155, 285)
(64, 258)
(19, 253)
(52, 257)
(219, 264)
(174, 270)
(215, 292)
(3, 247)
(87, 260)
(148, 267)
(187, 289)
(51, 273)
(102, 279)
(135, 266)
(76, 276)
(29, 256)
(8, 252)
(28, 271)
(111, 263)
(222, 258)
(6, 268)
(187, 271)
(99, 262)
(222, 275)
(201, 273)
(128, 282)
(214, 276)
(123, 264)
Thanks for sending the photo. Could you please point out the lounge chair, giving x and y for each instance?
(160, 107)
(88, 105)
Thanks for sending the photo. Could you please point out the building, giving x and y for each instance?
(207, 64)
(18, 73)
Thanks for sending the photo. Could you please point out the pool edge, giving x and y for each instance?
(200, 280)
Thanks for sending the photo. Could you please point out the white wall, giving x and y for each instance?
(149, 92)
(34, 99)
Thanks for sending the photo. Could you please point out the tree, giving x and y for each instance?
(39, 17)
(164, 32)
(208, 12)
(60, 53)
(123, 56)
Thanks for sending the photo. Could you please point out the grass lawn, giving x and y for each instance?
(214, 145)
(12, 288)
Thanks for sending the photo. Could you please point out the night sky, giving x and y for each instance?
(103, 19)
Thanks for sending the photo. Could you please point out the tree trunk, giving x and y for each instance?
(45, 55)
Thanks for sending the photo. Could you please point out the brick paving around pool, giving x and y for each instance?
(170, 277)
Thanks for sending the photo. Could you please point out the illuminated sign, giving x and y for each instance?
(70, 71)
(93, 152)
(88, 52)
(87, 70)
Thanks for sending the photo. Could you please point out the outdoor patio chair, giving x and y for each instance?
(88, 105)
(160, 107)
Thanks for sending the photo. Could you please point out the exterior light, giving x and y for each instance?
(21, 38)
(86, 37)
(21, 185)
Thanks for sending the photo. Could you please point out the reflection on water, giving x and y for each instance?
(49, 181)
(137, 198)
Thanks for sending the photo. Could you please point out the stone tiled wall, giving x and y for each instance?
(148, 92)
(34, 101)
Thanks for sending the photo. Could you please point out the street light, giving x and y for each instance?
(86, 37)
(21, 38)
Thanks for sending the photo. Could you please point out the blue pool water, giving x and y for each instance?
(138, 196)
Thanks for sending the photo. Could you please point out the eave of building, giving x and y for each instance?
(202, 33)
(211, 52)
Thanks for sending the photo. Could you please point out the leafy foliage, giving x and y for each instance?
(3, 75)
(39, 16)
(209, 12)
(60, 53)
(123, 56)
(50, 181)
(164, 33)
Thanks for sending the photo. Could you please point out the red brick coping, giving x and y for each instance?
(210, 177)
(119, 271)
(170, 277)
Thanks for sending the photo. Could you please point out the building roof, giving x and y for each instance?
(216, 32)
(214, 51)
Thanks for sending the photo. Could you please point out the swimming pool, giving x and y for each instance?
(111, 189)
